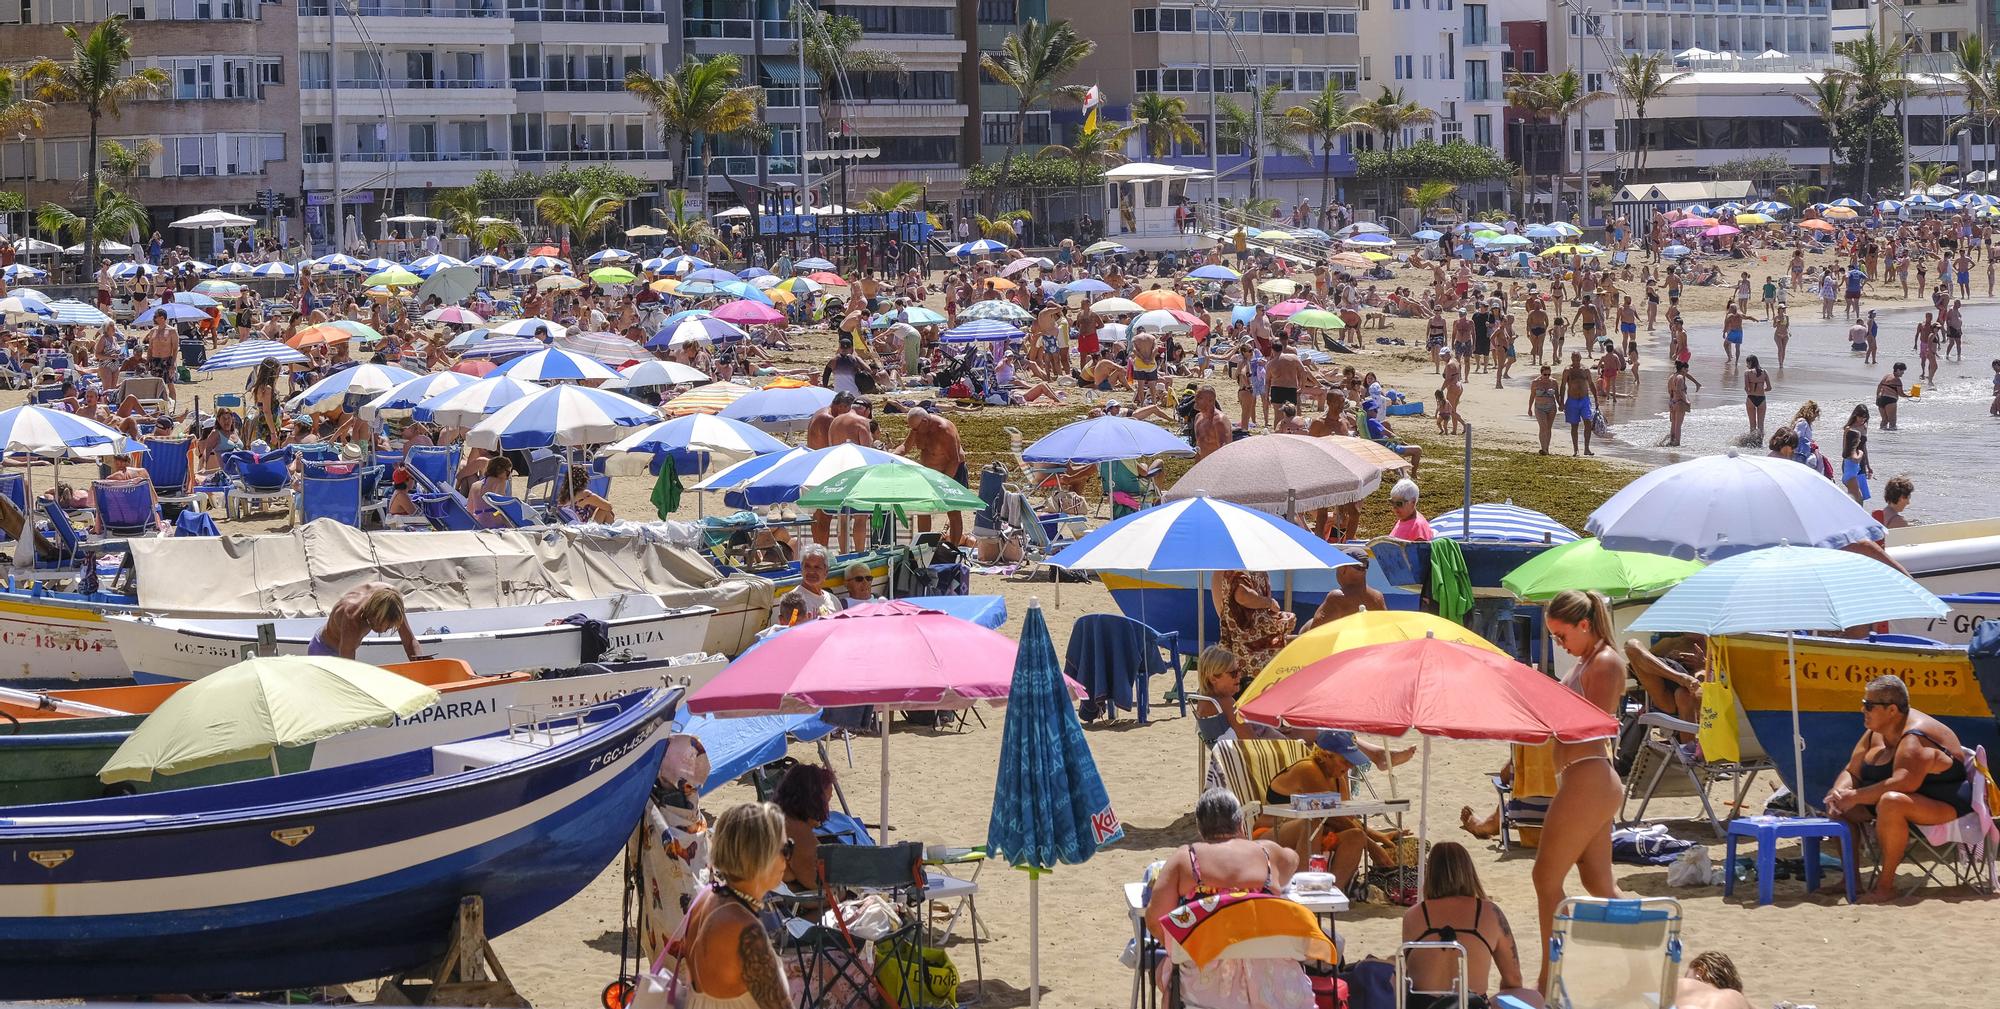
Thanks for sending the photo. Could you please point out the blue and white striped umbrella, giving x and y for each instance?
(173, 310)
(237, 268)
(489, 261)
(1786, 589)
(657, 264)
(467, 404)
(1953, 204)
(564, 415)
(696, 289)
(812, 263)
(535, 264)
(712, 275)
(1200, 534)
(249, 354)
(274, 270)
(1770, 207)
(653, 374)
(1088, 285)
(432, 263)
(472, 338)
(1004, 311)
(54, 434)
(753, 273)
(377, 264)
(17, 305)
(608, 256)
(680, 266)
(699, 434)
(531, 326)
(405, 397)
(363, 379)
(979, 330)
(1847, 201)
(779, 408)
(736, 474)
(1980, 199)
(1213, 271)
(122, 271)
(696, 329)
(71, 312)
(977, 247)
(1508, 523)
(496, 347)
(1105, 439)
(1921, 200)
(1368, 239)
(1889, 206)
(1716, 506)
(554, 364)
(339, 263)
(18, 272)
(797, 472)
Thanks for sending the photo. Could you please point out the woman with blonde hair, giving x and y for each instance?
(368, 608)
(727, 960)
(1455, 909)
(1576, 832)
(1220, 674)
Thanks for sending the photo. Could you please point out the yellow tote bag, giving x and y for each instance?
(1721, 719)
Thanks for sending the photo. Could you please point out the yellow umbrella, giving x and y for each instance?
(1842, 213)
(1274, 235)
(1358, 630)
(1279, 286)
(780, 298)
(666, 285)
(247, 711)
(1377, 257)
(1755, 219)
(394, 276)
(710, 398)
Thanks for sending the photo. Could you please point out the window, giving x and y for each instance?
(1528, 65)
(1277, 22)
(1310, 22)
(1597, 140)
(1427, 66)
(917, 150)
(1145, 19)
(1348, 78)
(1942, 42)
(1177, 19)
(1482, 130)
(1367, 69)
(997, 129)
(1000, 12)
(1341, 22)
(1593, 82)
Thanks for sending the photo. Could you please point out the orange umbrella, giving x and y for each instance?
(1159, 298)
(325, 332)
(544, 250)
(1000, 283)
(1817, 225)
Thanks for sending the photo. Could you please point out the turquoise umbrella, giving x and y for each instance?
(1049, 805)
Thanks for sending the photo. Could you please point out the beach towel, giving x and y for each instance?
(667, 490)
(1451, 583)
(1112, 656)
(195, 523)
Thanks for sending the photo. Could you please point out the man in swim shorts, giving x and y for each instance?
(1576, 404)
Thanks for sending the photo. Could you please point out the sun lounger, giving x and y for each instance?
(125, 507)
(169, 462)
(329, 495)
(1246, 767)
(254, 480)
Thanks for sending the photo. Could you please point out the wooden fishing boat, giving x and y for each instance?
(1833, 672)
(322, 877)
(1950, 557)
(490, 639)
(1955, 627)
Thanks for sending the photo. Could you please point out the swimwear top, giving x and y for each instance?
(1446, 933)
(1203, 889)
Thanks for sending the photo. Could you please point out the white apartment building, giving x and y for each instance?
(433, 92)
(1444, 55)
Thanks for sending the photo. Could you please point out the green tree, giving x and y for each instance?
(1565, 96)
(117, 215)
(1389, 114)
(1427, 195)
(1798, 197)
(1830, 97)
(94, 77)
(19, 112)
(1237, 124)
(1002, 225)
(1924, 176)
(1093, 150)
(123, 162)
(1321, 120)
(1640, 79)
(684, 227)
(580, 213)
(699, 102)
(833, 51)
(1454, 161)
(901, 196)
(463, 212)
(1032, 63)
(1873, 72)
(1163, 122)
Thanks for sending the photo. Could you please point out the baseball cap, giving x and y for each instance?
(1342, 744)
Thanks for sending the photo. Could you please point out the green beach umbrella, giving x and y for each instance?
(394, 276)
(612, 275)
(248, 710)
(910, 489)
(1586, 565)
(359, 330)
(1317, 318)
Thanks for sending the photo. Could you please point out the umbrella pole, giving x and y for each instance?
(1424, 816)
(1034, 939)
(1798, 741)
(883, 831)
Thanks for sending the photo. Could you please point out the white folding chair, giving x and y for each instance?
(1614, 954)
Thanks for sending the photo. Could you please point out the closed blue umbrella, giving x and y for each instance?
(1105, 439)
(1790, 588)
(1050, 806)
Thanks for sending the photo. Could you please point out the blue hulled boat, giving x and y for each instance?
(321, 877)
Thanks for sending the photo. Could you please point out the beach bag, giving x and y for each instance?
(866, 918)
(916, 977)
(1720, 714)
(659, 987)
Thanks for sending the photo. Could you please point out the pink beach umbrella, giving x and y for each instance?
(1721, 230)
(1686, 223)
(893, 656)
(749, 313)
(1287, 309)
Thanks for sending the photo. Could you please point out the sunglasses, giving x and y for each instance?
(1872, 705)
(790, 846)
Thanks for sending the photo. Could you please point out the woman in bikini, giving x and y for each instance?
(1756, 386)
(1455, 909)
(1543, 400)
(1907, 768)
(1577, 829)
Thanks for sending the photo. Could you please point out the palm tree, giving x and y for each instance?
(1001, 226)
(1100, 147)
(1924, 176)
(117, 214)
(95, 78)
(19, 114)
(1429, 194)
(464, 213)
(1797, 197)
(699, 100)
(1390, 114)
(1567, 96)
(1873, 72)
(1831, 99)
(1032, 63)
(1641, 79)
(832, 51)
(580, 213)
(683, 227)
(1323, 119)
(124, 161)
(1238, 125)
(1977, 72)
(1526, 94)
(1163, 122)
(901, 196)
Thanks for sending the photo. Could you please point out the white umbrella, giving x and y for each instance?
(362, 379)
(700, 433)
(405, 397)
(1162, 320)
(209, 219)
(647, 374)
(1790, 589)
(413, 219)
(1713, 507)
(467, 404)
(1117, 306)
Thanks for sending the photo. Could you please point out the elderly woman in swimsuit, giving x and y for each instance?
(1907, 769)
(1577, 829)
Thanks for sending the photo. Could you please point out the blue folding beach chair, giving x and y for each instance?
(70, 547)
(254, 479)
(169, 462)
(125, 507)
(446, 511)
(434, 466)
(331, 496)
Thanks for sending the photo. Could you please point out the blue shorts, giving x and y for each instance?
(1734, 336)
(1628, 327)
(1576, 411)
(1964, 277)
(1851, 470)
(318, 647)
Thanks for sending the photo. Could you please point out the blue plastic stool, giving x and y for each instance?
(1768, 831)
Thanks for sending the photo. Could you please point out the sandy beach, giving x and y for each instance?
(1808, 949)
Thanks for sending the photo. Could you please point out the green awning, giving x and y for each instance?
(785, 73)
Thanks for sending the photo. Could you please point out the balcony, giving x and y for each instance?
(390, 96)
(593, 17)
(569, 86)
(719, 28)
(1479, 91)
(901, 114)
(410, 9)
(743, 166)
(408, 157)
(366, 84)
(545, 157)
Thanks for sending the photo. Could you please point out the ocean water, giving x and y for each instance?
(1946, 442)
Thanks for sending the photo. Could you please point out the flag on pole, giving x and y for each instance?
(1091, 100)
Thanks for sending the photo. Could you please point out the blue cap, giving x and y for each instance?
(1342, 743)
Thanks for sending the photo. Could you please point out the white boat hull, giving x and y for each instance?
(491, 641)
(1955, 627)
(54, 643)
(1951, 557)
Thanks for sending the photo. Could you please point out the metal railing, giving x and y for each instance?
(543, 157)
(410, 84)
(587, 17)
(718, 28)
(403, 157)
(309, 9)
(1220, 222)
